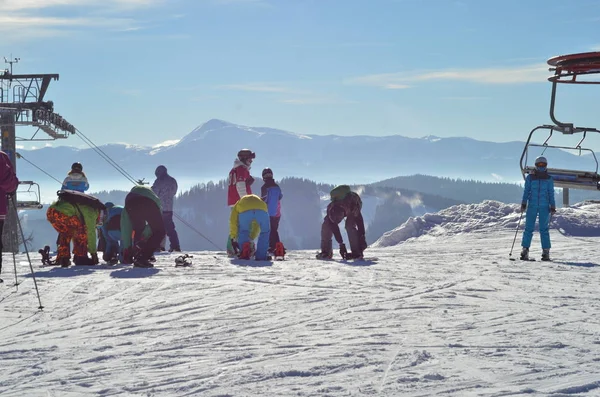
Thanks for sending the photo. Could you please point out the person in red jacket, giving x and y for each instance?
(8, 186)
(240, 179)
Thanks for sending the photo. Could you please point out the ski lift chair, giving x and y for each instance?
(566, 69)
(33, 193)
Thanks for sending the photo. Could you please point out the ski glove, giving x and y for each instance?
(343, 251)
(523, 207)
(249, 180)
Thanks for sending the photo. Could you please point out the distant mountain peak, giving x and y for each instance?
(431, 138)
(217, 125)
(214, 124)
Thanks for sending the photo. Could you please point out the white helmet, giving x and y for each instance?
(541, 159)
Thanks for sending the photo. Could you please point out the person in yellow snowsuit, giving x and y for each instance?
(249, 218)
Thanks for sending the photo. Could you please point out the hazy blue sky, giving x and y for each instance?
(146, 71)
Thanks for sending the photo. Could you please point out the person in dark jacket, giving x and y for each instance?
(271, 194)
(142, 211)
(538, 199)
(165, 187)
(335, 213)
(8, 186)
(355, 226)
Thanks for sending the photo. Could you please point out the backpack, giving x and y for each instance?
(75, 197)
(339, 192)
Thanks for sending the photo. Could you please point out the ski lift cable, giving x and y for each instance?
(21, 157)
(106, 157)
(197, 231)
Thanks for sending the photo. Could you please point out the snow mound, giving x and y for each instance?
(581, 219)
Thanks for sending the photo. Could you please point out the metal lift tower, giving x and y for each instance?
(22, 104)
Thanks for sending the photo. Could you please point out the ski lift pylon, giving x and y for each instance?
(567, 69)
(33, 191)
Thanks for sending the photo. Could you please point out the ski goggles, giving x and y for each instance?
(541, 165)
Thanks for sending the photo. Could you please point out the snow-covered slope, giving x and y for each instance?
(442, 314)
(581, 219)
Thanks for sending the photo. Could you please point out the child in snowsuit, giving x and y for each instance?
(240, 181)
(335, 213)
(75, 216)
(355, 226)
(111, 230)
(8, 185)
(271, 194)
(538, 199)
(165, 187)
(249, 211)
(142, 209)
(76, 179)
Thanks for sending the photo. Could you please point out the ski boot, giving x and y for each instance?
(325, 255)
(140, 262)
(63, 262)
(546, 254)
(246, 251)
(279, 252)
(352, 255)
(82, 260)
(525, 254)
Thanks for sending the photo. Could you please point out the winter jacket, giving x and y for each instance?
(126, 226)
(90, 218)
(76, 181)
(353, 206)
(271, 194)
(113, 218)
(165, 188)
(247, 203)
(539, 190)
(239, 182)
(8, 182)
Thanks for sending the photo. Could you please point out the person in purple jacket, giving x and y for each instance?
(8, 186)
(271, 194)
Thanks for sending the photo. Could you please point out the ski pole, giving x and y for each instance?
(14, 255)
(26, 252)
(515, 239)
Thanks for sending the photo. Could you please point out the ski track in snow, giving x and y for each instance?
(449, 316)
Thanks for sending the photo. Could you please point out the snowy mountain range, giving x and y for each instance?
(207, 153)
(441, 311)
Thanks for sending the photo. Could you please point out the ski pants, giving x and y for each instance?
(274, 235)
(142, 211)
(68, 227)
(112, 241)
(353, 236)
(167, 217)
(245, 224)
(530, 217)
(326, 235)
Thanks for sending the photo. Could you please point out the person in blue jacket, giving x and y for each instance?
(76, 179)
(271, 194)
(538, 199)
(111, 231)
